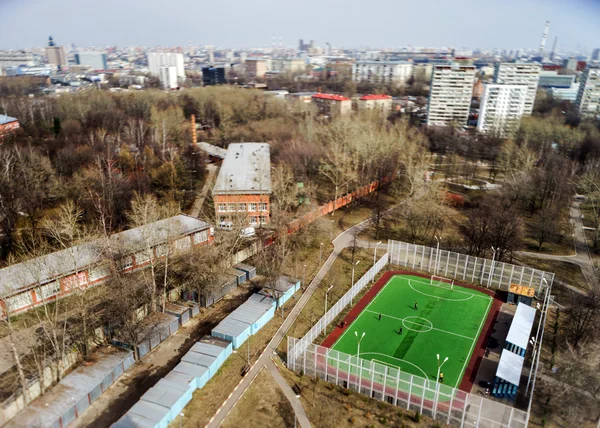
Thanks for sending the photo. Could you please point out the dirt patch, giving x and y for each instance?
(263, 404)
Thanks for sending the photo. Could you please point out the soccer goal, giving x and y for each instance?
(440, 281)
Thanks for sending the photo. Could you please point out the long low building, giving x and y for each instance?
(55, 275)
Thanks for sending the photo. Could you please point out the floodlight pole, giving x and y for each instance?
(437, 382)
(352, 294)
(304, 278)
(539, 337)
(493, 265)
(327, 292)
(359, 340)
(375, 254)
(320, 254)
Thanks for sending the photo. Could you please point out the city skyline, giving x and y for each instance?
(495, 24)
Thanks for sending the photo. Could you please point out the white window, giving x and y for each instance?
(19, 301)
(253, 220)
(222, 208)
(98, 272)
(74, 281)
(162, 250)
(47, 290)
(262, 206)
(263, 219)
(252, 208)
(242, 207)
(183, 243)
(200, 237)
(142, 257)
(126, 262)
(231, 208)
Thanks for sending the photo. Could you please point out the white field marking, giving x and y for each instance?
(365, 309)
(433, 328)
(406, 320)
(484, 296)
(401, 360)
(473, 344)
(437, 297)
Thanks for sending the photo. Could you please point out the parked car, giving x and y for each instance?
(247, 232)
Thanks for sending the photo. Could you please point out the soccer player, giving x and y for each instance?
(400, 331)
(379, 317)
(416, 308)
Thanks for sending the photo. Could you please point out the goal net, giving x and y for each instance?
(440, 281)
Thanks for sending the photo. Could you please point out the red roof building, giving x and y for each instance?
(331, 104)
(375, 101)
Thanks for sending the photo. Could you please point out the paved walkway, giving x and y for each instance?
(582, 255)
(343, 240)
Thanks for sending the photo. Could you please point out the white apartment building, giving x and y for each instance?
(502, 107)
(289, 65)
(564, 94)
(165, 59)
(588, 97)
(520, 73)
(168, 77)
(386, 72)
(450, 95)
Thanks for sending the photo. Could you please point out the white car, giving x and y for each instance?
(247, 232)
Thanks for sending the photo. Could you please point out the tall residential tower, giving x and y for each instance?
(502, 107)
(450, 95)
(588, 97)
(520, 73)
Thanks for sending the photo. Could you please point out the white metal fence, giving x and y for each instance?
(339, 306)
(489, 273)
(391, 385)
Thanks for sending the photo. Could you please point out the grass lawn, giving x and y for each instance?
(447, 322)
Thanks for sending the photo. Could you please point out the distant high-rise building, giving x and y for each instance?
(56, 54)
(588, 97)
(165, 59)
(168, 76)
(96, 60)
(502, 107)
(213, 76)
(385, 72)
(256, 67)
(595, 54)
(301, 45)
(570, 64)
(450, 95)
(520, 73)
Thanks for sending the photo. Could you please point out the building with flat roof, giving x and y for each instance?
(384, 72)
(56, 54)
(551, 79)
(95, 60)
(564, 94)
(288, 65)
(332, 105)
(168, 77)
(257, 67)
(502, 107)
(242, 191)
(450, 95)
(156, 60)
(588, 97)
(213, 76)
(380, 102)
(520, 73)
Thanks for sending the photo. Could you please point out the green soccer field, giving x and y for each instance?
(447, 322)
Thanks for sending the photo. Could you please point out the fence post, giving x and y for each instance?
(409, 393)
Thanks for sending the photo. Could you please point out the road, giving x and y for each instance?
(343, 240)
(582, 255)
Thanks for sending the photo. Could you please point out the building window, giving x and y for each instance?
(183, 243)
(252, 208)
(126, 262)
(200, 237)
(231, 208)
(98, 272)
(19, 301)
(253, 220)
(242, 207)
(47, 290)
(264, 219)
(222, 208)
(75, 281)
(222, 219)
(142, 257)
(262, 206)
(162, 250)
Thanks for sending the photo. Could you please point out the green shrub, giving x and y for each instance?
(417, 417)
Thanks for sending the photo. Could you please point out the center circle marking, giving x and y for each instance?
(408, 320)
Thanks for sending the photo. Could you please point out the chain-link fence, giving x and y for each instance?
(489, 273)
(390, 384)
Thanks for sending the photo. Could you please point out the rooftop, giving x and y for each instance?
(510, 367)
(331, 97)
(375, 97)
(521, 326)
(246, 169)
(4, 119)
(43, 269)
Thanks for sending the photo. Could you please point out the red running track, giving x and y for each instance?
(468, 379)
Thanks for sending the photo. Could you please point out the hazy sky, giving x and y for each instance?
(343, 23)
